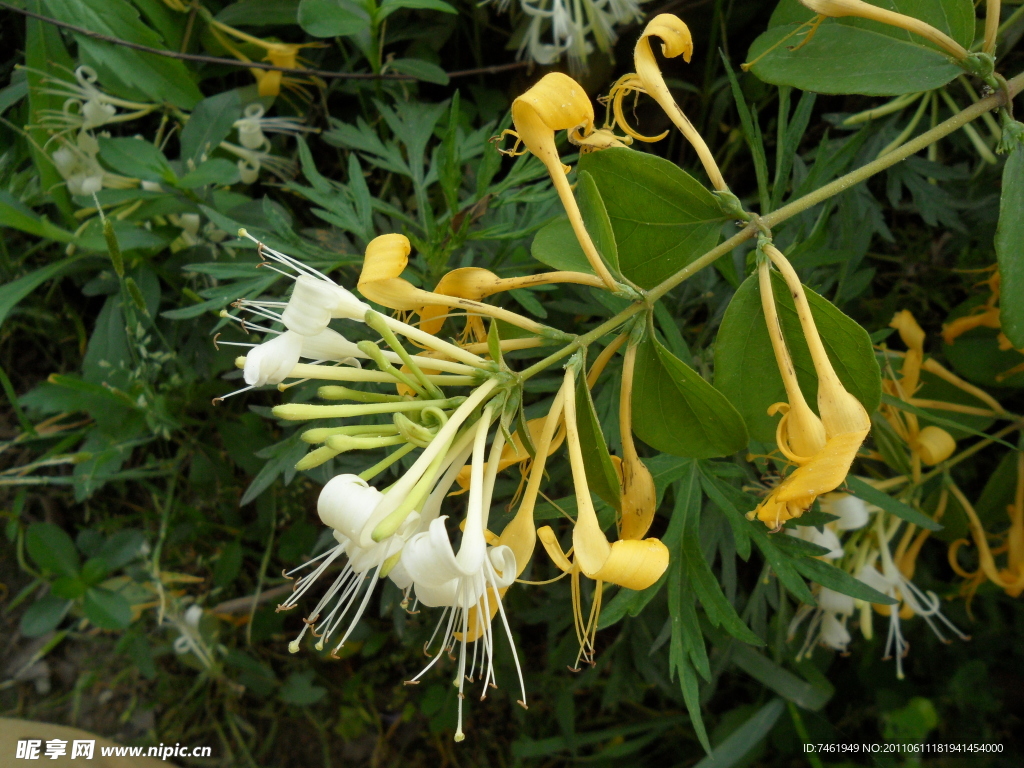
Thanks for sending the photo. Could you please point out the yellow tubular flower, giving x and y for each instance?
(631, 564)
(476, 283)
(675, 41)
(556, 103)
(380, 281)
(1011, 578)
(639, 495)
(845, 421)
(800, 433)
(860, 9)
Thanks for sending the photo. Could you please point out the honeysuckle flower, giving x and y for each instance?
(1009, 578)
(475, 283)
(86, 105)
(639, 497)
(469, 583)
(844, 419)
(675, 41)
(571, 25)
(825, 537)
(344, 505)
(984, 316)
(556, 103)
(827, 622)
(252, 161)
(380, 281)
(634, 563)
(76, 162)
(269, 82)
(853, 513)
(860, 9)
(253, 127)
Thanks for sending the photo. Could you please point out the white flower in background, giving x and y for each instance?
(574, 27)
(825, 537)
(252, 161)
(853, 513)
(253, 127)
(76, 162)
(86, 106)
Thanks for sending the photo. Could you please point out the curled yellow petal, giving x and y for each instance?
(858, 8)
(550, 543)
(675, 41)
(933, 445)
(633, 564)
(556, 103)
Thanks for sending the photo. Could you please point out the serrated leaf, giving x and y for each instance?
(677, 411)
(746, 370)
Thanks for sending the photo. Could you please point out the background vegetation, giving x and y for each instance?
(149, 491)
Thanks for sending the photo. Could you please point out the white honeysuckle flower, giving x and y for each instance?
(86, 106)
(345, 504)
(77, 163)
(253, 126)
(853, 513)
(826, 537)
(252, 161)
(834, 633)
(625, 11)
(836, 602)
(469, 584)
(272, 361)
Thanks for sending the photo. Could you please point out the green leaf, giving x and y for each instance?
(390, 6)
(852, 55)
(333, 18)
(298, 689)
(556, 245)
(94, 571)
(662, 217)
(128, 71)
(121, 548)
(229, 564)
(745, 368)
(260, 13)
(745, 738)
(209, 124)
(216, 171)
(872, 495)
(16, 290)
(839, 580)
(68, 587)
(780, 680)
(601, 475)
(595, 219)
(420, 69)
(44, 615)
(137, 158)
(52, 549)
(678, 412)
(16, 215)
(106, 609)
(1009, 242)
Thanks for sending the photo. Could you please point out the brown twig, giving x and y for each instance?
(252, 64)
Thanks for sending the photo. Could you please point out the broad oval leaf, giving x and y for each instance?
(106, 609)
(1010, 248)
(595, 219)
(662, 217)
(745, 367)
(601, 475)
(852, 55)
(52, 549)
(556, 246)
(44, 615)
(676, 411)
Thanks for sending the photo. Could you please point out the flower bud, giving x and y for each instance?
(639, 498)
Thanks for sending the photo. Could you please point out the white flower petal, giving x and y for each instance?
(272, 361)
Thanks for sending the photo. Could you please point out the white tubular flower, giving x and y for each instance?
(330, 345)
(834, 633)
(344, 505)
(272, 361)
(252, 161)
(86, 106)
(826, 537)
(315, 301)
(468, 585)
(853, 513)
(253, 127)
(78, 165)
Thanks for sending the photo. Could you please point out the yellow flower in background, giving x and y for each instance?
(269, 82)
(984, 316)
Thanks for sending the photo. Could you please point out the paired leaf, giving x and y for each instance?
(678, 412)
(853, 55)
(746, 370)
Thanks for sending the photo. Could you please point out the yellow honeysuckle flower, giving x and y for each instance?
(844, 419)
(556, 103)
(279, 54)
(476, 283)
(380, 281)
(675, 41)
(634, 564)
(639, 495)
(858, 8)
(800, 433)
